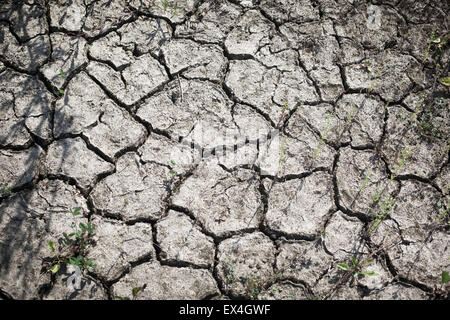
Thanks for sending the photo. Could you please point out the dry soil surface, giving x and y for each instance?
(225, 148)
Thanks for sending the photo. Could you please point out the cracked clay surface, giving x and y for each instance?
(226, 149)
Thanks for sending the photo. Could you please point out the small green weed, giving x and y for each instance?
(356, 268)
(72, 247)
(374, 78)
(445, 81)
(404, 155)
(436, 46)
(444, 214)
(134, 293)
(365, 181)
(445, 277)
(427, 51)
(165, 5)
(442, 291)
(5, 190)
(59, 92)
(282, 152)
(385, 207)
(285, 108)
(228, 270)
(284, 113)
(171, 171)
(386, 204)
(323, 136)
(426, 118)
(61, 73)
(377, 194)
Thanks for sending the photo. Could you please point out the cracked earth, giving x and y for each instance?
(340, 148)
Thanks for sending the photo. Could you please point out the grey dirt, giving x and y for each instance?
(223, 149)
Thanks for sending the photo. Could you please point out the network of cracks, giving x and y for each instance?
(222, 149)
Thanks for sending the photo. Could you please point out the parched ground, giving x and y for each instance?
(259, 149)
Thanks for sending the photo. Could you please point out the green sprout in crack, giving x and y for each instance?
(284, 110)
(377, 194)
(165, 4)
(436, 47)
(386, 206)
(72, 247)
(445, 277)
(174, 9)
(5, 190)
(61, 73)
(318, 149)
(323, 136)
(365, 181)
(427, 118)
(427, 51)
(137, 290)
(374, 75)
(59, 92)
(171, 171)
(134, 293)
(404, 155)
(418, 108)
(445, 81)
(442, 292)
(426, 126)
(356, 268)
